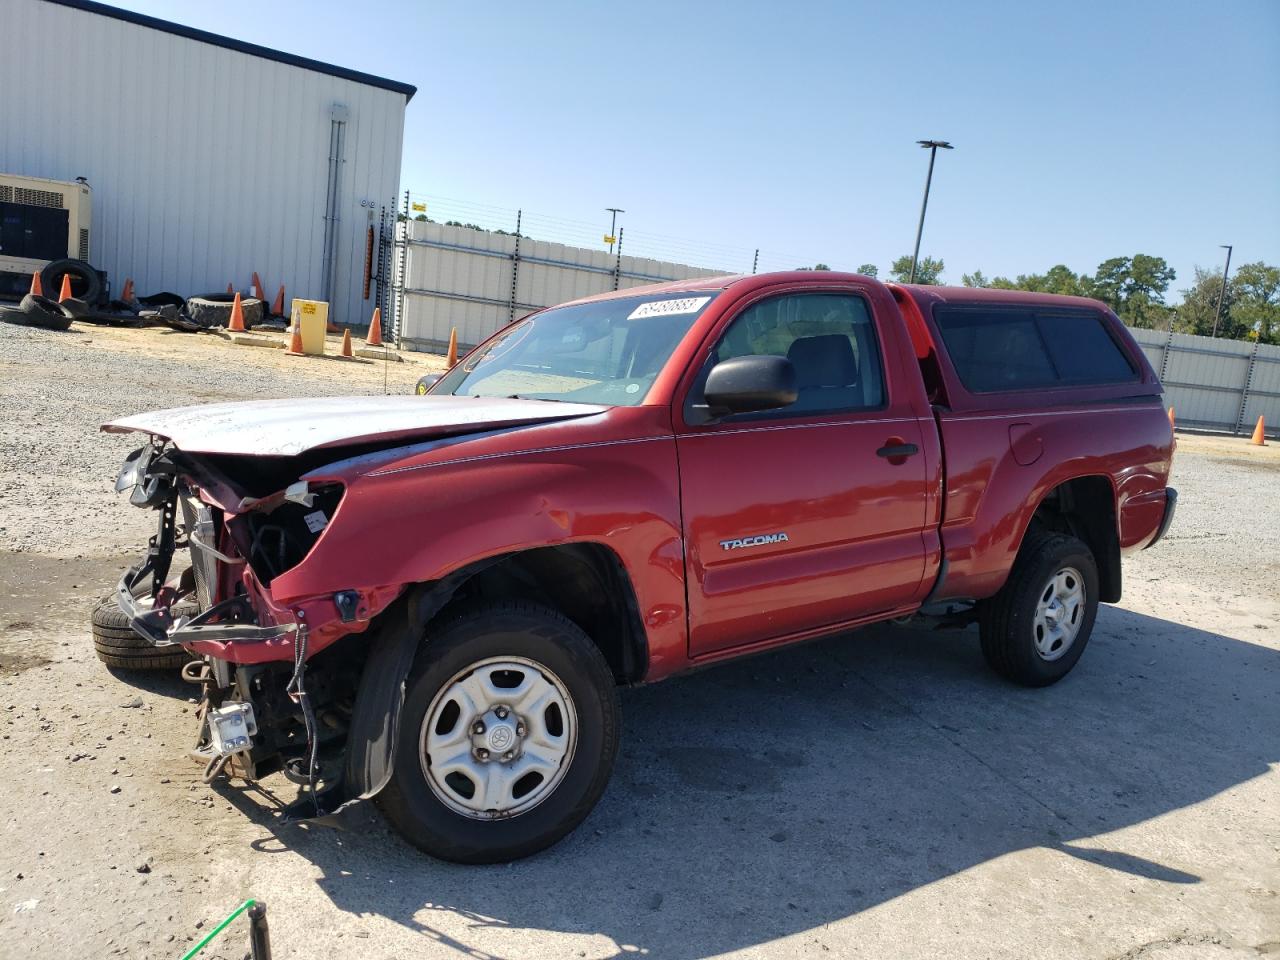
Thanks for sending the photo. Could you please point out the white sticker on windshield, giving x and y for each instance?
(668, 308)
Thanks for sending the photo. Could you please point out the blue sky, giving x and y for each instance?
(1082, 131)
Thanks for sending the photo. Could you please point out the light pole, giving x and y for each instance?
(613, 223)
(1222, 292)
(933, 146)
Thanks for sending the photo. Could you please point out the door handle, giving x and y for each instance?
(895, 450)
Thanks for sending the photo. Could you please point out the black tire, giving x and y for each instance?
(118, 645)
(12, 314)
(214, 309)
(508, 629)
(43, 313)
(162, 299)
(1007, 622)
(86, 282)
(73, 308)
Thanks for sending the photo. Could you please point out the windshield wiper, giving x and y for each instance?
(519, 396)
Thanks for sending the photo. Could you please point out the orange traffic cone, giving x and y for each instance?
(37, 289)
(127, 293)
(277, 308)
(346, 342)
(231, 288)
(374, 339)
(1260, 433)
(452, 359)
(257, 288)
(1172, 425)
(237, 316)
(295, 342)
(65, 293)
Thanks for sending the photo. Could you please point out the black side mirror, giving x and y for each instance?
(750, 384)
(427, 382)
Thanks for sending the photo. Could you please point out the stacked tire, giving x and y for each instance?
(118, 645)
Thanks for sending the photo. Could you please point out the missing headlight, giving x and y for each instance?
(279, 539)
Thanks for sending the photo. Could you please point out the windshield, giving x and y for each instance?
(605, 352)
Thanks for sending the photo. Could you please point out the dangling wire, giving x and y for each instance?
(297, 692)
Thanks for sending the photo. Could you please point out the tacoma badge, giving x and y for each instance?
(754, 541)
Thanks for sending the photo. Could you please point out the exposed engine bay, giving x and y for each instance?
(254, 718)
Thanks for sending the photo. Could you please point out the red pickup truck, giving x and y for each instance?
(432, 599)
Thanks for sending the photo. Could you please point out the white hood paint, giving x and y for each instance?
(286, 428)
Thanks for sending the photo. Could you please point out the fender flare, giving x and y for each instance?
(375, 720)
(372, 736)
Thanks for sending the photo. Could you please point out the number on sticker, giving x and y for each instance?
(668, 308)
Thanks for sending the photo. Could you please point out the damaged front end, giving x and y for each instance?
(278, 690)
(305, 628)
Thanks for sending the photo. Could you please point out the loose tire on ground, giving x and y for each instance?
(117, 645)
(86, 282)
(559, 651)
(40, 312)
(1016, 642)
(74, 308)
(214, 309)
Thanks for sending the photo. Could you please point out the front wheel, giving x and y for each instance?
(507, 736)
(1035, 629)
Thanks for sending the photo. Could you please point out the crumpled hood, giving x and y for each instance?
(286, 428)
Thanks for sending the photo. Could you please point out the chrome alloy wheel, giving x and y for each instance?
(1060, 611)
(498, 738)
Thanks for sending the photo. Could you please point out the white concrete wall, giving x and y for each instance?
(206, 163)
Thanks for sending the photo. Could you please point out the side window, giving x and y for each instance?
(1000, 348)
(1083, 350)
(829, 338)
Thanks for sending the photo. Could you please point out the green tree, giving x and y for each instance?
(1110, 280)
(868, 270)
(928, 270)
(1255, 298)
(975, 279)
(1199, 307)
(1149, 278)
(1061, 279)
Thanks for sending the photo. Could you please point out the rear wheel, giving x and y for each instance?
(507, 736)
(1035, 629)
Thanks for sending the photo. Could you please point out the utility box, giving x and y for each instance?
(311, 317)
(40, 221)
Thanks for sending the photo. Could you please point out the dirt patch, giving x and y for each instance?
(45, 601)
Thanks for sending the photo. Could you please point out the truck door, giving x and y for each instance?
(812, 515)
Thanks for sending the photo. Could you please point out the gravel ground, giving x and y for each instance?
(62, 387)
(886, 797)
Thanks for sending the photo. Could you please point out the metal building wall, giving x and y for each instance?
(471, 280)
(1215, 383)
(206, 163)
